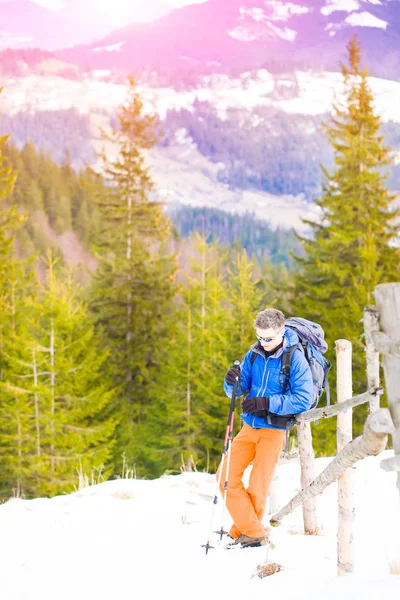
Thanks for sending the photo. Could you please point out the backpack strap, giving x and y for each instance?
(253, 357)
(284, 376)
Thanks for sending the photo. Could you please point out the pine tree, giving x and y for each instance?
(12, 404)
(245, 299)
(186, 421)
(133, 288)
(74, 388)
(211, 338)
(18, 441)
(352, 246)
(56, 415)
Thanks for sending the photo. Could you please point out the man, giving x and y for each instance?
(262, 437)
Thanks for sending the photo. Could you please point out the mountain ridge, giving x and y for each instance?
(249, 33)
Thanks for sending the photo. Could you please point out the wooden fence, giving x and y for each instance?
(379, 424)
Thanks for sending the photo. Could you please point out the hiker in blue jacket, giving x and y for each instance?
(268, 410)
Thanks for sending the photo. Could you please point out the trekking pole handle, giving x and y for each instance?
(235, 386)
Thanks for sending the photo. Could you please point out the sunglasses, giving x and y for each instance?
(263, 339)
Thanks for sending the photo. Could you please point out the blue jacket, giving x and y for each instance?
(263, 379)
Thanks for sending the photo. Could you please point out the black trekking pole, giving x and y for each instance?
(225, 451)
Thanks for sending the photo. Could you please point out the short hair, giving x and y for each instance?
(270, 318)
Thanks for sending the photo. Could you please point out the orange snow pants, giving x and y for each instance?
(246, 506)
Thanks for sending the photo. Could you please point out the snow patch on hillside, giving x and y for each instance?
(185, 177)
(278, 12)
(242, 34)
(286, 33)
(13, 40)
(255, 13)
(315, 94)
(339, 5)
(365, 19)
(111, 48)
(282, 11)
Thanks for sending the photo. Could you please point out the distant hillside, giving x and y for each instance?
(31, 61)
(243, 231)
(55, 132)
(261, 152)
(61, 214)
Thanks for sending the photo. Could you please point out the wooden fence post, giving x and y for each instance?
(387, 297)
(306, 453)
(372, 356)
(344, 388)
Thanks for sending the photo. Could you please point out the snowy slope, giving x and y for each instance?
(143, 539)
(314, 93)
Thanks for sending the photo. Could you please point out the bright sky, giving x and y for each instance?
(56, 4)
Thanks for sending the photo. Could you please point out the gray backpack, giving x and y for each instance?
(313, 345)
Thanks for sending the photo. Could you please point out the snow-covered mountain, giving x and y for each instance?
(219, 35)
(182, 173)
(243, 34)
(24, 24)
(27, 24)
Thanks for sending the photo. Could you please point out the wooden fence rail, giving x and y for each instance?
(373, 441)
(330, 411)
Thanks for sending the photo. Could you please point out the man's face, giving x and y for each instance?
(274, 337)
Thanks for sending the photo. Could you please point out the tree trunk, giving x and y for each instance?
(19, 446)
(306, 453)
(373, 441)
(387, 296)
(36, 398)
(344, 389)
(53, 398)
(128, 335)
(188, 390)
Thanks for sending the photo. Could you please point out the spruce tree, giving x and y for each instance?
(19, 426)
(134, 284)
(56, 415)
(13, 402)
(245, 300)
(352, 247)
(74, 386)
(187, 418)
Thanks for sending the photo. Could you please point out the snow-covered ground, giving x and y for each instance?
(135, 539)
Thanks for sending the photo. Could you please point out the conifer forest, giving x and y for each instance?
(114, 361)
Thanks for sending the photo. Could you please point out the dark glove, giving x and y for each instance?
(232, 375)
(252, 405)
